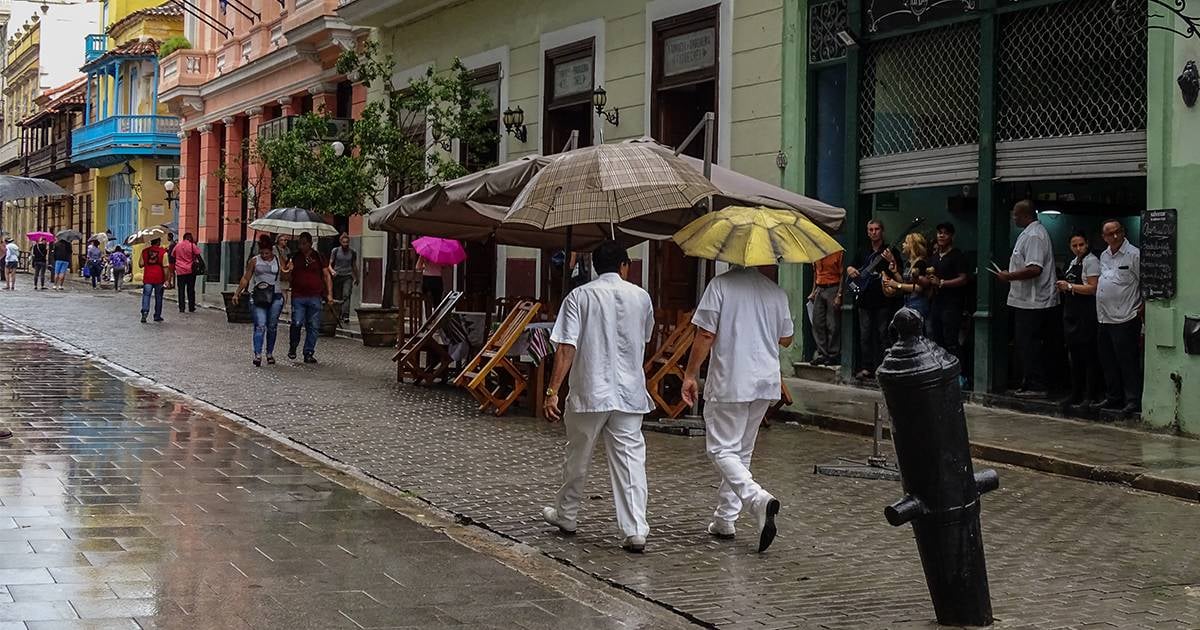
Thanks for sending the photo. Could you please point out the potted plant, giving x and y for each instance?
(236, 313)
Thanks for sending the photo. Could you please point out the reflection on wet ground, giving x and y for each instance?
(123, 509)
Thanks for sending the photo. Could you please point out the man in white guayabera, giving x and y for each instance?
(602, 331)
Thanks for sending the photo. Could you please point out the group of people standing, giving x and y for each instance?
(602, 330)
(43, 257)
(1098, 296)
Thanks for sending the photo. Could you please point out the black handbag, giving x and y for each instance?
(263, 294)
(198, 268)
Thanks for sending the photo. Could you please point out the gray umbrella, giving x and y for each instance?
(13, 187)
(293, 221)
(69, 235)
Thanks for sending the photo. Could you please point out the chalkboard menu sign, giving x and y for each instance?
(1158, 254)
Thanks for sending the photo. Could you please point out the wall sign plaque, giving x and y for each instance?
(573, 77)
(690, 51)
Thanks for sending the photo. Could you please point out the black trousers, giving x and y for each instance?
(872, 335)
(945, 323)
(1029, 336)
(1085, 370)
(1122, 361)
(186, 284)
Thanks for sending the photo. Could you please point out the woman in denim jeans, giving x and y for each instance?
(95, 261)
(264, 270)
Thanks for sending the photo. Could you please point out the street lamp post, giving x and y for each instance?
(173, 200)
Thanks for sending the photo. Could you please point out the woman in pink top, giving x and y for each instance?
(187, 260)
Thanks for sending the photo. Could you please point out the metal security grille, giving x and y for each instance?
(1070, 69)
(920, 92)
(825, 19)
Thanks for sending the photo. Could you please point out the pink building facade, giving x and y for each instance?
(252, 65)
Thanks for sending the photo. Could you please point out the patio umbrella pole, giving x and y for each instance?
(693, 415)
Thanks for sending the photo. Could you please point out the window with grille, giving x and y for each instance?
(920, 92)
(1070, 69)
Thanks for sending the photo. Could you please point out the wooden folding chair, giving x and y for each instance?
(785, 398)
(669, 361)
(408, 357)
(412, 313)
(493, 363)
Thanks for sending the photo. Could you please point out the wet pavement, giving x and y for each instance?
(1061, 552)
(123, 508)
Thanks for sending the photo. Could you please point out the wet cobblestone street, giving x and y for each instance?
(1062, 553)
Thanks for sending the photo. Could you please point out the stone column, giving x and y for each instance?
(235, 228)
(255, 174)
(324, 98)
(208, 185)
(189, 182)
(287, 106)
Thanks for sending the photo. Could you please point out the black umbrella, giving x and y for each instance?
(68, 234)
(14, 187)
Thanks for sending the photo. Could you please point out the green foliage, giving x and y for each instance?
(388, 142)
(307, 173)
(172, 44)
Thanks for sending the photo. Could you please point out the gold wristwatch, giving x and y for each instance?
(550, 391)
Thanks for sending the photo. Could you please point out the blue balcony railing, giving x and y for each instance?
(94, 46)
(117, 138)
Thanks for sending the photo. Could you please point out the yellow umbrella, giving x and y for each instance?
(755, 236)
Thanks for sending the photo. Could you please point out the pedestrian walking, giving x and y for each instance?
(154, 276)
(12, 255)
(311, 282)
(1078, 292)
(185, 255)
(261, 278)
(826, 298)
(343, 263)
(601, 331)
(62, 263)
(118, 260)
(95, 261)
(1118, 311)
(1031, 296)
(742, 320)
(40, 257)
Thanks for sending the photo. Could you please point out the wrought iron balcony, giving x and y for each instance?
(94, 46)
(118, 138)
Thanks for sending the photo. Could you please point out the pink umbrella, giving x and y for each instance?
(40, 236)
(440, 251)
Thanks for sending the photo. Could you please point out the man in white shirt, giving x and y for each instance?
(1118, 306)
(602, 330)
(1031, 295)
(743, 318)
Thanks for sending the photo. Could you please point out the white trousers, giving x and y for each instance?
(730, 431)
(626, 450)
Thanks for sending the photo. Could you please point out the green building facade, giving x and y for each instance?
(953, 111)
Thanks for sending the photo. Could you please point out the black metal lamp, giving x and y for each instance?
(1189, 83)
(136, 187)
(172, 195)
(599, 100)
(514, 123)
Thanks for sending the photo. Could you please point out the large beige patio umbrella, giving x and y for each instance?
(612, 184)
(472, 208)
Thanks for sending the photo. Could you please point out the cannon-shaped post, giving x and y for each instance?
(929, 430)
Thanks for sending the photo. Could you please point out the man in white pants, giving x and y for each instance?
(602, 330)
(743, 318)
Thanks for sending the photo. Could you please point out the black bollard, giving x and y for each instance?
(929, 430)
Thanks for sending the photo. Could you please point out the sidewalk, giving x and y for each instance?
(1154, 462)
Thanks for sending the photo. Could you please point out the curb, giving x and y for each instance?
(1024, 459)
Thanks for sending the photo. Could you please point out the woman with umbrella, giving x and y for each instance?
(434, 254)
(40, 256)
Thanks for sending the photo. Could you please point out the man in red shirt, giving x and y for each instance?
(154, 275)
(311, 283)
